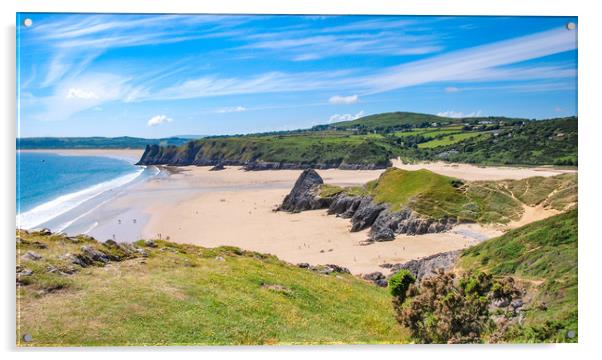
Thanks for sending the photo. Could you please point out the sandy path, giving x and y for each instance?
(473, 172)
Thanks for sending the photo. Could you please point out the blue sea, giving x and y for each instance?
(53, 189)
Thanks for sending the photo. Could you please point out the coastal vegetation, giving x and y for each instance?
(438, 196)
(371, 141)
(519, 287)
(542, 257)
(76, 291)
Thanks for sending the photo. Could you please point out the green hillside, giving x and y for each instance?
(388, 122)
(369, 142)
(552, 142)
(163, 293)
(543, 257)
(332, 149)
(439, 196)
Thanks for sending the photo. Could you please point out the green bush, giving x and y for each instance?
(400, 283)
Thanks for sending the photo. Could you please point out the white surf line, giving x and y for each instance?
(51, 209)
(65, 225)
(94, 225)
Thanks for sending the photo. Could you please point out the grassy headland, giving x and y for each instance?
(161, 293)
(438, 196)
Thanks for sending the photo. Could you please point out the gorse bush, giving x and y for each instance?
(443, 309)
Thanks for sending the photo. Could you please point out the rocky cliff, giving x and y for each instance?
(208, 155)
(428, 266)
(304, 195)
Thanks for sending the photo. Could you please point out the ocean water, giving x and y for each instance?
(49, 186)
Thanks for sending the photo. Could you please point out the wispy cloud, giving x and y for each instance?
(74, 84)
(451, 89)
(482, 63)
(459, 114)
(345, 117)
(158, 120)
(231, 109)
(351, 99)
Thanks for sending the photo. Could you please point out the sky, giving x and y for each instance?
(167, 75)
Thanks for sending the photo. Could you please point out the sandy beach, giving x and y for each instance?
(235, 207)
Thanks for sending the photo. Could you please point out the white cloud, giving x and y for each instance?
(481, 63)
(231, 109)
(451, 89)
(343, 99)
(158, 119)
(76, 93)
(459, 114)
(345, 117)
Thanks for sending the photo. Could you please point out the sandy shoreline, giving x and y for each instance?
(235, 207)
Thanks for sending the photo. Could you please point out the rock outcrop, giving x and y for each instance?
(304, 195)
(428, 266)
(217, 167)
(363, 211)
(384, 224)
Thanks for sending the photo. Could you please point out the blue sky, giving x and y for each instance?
(165, 75)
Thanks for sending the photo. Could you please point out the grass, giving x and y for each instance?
(188, 295)
(543, 256)
(438, 196)
(545, 190)
(449, 139)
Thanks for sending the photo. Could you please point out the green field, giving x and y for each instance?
(450, 139)
(188, 295)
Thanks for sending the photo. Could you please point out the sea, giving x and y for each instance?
(55, 190)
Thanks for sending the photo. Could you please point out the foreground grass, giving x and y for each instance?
(188, 295)
(543, 256)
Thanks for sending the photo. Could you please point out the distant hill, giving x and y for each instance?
(122, 142)
(393, 121)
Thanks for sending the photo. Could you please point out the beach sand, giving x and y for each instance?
(235, 207)
(474, 172)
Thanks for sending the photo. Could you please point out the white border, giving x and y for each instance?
(590, 134)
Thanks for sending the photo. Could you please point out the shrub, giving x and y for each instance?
(400, 283)
(443, 310)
